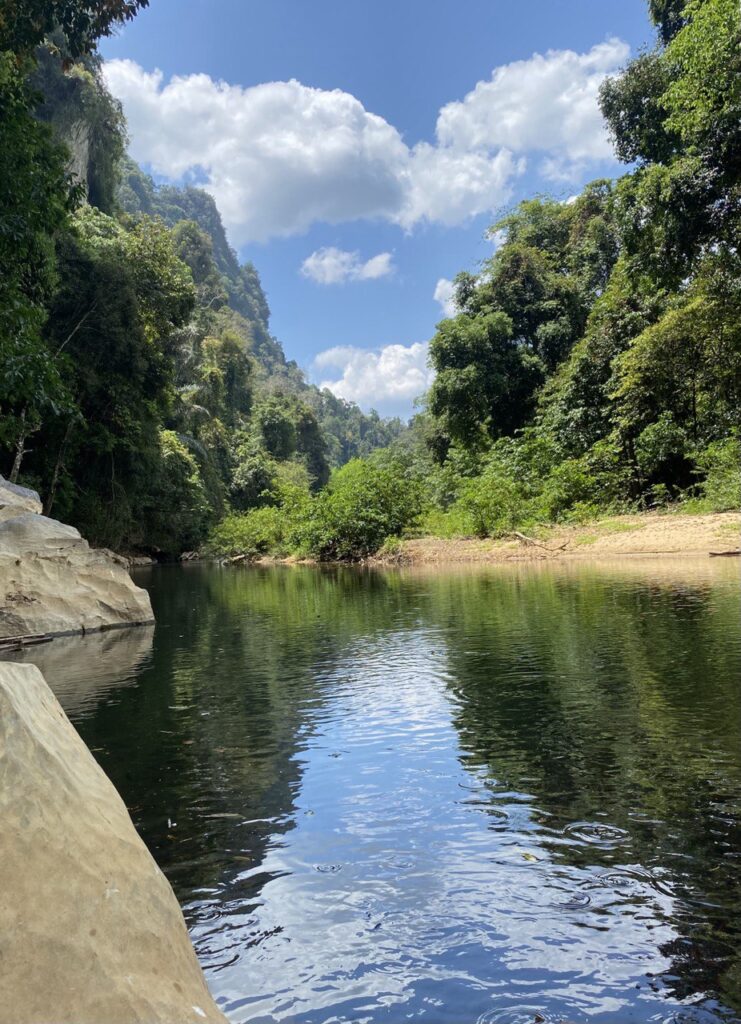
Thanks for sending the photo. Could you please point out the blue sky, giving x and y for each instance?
(374, 174)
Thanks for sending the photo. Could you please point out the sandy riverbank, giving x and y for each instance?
(643, 534)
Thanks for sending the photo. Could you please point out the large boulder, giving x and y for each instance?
(90, 930)
(53, 582)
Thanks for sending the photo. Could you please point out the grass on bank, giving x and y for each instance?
(370, 505)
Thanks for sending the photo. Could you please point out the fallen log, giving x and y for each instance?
(725, 554)
(234, 560)
(536, 543)
(17, 642)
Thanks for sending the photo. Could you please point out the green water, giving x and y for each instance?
(498, 796)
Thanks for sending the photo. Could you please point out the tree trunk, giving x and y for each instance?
(57, 470)
(20, 450)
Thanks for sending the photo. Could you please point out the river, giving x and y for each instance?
(497, 796)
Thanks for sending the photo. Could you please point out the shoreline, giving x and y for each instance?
(645, 534)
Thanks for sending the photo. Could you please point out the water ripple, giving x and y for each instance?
(504, 798)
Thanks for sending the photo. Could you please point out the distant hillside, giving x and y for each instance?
(349, 432)
(155, 395)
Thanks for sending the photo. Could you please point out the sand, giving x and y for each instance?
(644, 534)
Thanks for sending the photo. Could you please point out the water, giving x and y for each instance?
(502, 796)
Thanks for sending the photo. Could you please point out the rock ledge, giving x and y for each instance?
(52, 582)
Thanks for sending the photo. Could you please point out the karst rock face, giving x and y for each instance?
(52, 581)
(90, 930)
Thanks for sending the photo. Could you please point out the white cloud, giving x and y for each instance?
(276, 157)
(448, 186)
(281, 156)
(445, 295)
(335, 266)
(387, 379)
(381, 265)
(548, 103)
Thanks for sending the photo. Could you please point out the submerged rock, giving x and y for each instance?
(90, 930)
(52, 581)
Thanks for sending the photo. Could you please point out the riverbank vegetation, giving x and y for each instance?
(592, 365)
(142, 392)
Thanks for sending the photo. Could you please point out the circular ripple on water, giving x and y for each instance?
(517, 1015)
(597, 833)
(579, 901)
(633, 878)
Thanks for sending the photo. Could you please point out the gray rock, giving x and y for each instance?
(27, 532)
(52, 581)
(90, 930)
(15, 500)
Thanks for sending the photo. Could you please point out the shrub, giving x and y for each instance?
(570, 491)
(363, 504)
(492, 503)
(720, 491)
(391, 548)
(452, 522)
(258, 532)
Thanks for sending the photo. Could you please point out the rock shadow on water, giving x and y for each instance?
(83, 670)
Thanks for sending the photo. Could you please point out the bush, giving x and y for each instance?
(453, 522)
(720, 491)
(492, 503)
(259, 532)
(570, 491)
(391, 548)
(362, 506)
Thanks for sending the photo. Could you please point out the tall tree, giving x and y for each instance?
(25, 23)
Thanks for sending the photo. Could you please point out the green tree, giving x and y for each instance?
(486, 382)
(677, 112)
(254, 477)
(119, 297)
(25, 23)
(276, 427)
(195, 248)
(175, 512)
(36, 197)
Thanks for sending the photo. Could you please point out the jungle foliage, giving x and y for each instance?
(593, 364)
(142, 392)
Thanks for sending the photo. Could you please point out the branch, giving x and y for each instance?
(74, 330)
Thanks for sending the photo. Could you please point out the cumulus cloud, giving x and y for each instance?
(449, 186)
(445, 295)
(281, 156)
(336, 266)
(387, 379)
(276, 157)
(548, 103)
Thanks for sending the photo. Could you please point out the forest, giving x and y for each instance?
(143, 394)
(592, 366)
